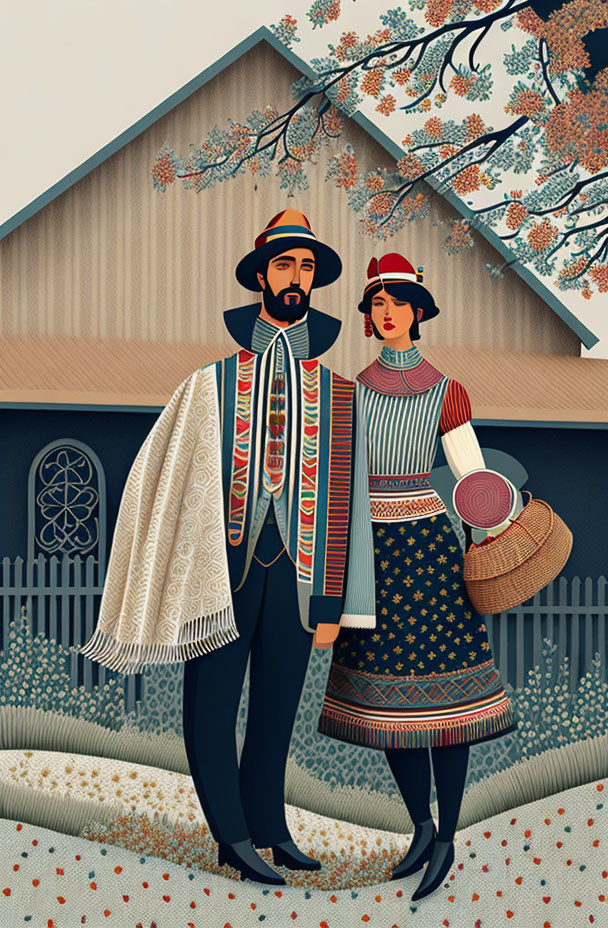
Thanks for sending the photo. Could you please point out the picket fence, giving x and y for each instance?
(571, 614)
(61, 598)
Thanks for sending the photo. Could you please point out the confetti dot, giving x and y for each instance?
(117, 869)
(60, 900)
(510, 914)
(599, 787)
(561, 811)
(590, 821)
(166, 898)
(35, 882)
(6, 892)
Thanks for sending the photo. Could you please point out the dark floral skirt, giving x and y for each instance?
(425, 675)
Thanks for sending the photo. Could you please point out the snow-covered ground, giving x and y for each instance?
(543, 864)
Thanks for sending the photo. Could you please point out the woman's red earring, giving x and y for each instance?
(367, 319)
(420, 314)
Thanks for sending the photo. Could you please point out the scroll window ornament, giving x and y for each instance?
(67, 503)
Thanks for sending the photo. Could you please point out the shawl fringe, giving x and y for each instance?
(197, 637)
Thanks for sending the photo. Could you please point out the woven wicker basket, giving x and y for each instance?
(520, 561)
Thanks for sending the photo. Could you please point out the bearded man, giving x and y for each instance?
(231, 541)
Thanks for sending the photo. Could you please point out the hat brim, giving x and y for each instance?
(328, 265)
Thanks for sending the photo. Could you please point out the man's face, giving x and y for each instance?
(287, 284)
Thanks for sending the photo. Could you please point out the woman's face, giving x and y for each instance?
(392, 317)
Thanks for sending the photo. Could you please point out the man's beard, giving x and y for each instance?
(286, 310)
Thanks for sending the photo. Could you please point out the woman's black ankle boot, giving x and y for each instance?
(437, 870)
(419, 851)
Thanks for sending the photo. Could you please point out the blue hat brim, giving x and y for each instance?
(328, 266)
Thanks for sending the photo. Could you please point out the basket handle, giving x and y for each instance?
(546, 505)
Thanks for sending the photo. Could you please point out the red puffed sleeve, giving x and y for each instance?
(456, 409)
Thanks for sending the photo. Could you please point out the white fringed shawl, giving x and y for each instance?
(167, 592)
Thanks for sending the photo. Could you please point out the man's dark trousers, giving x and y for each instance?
(249, 802)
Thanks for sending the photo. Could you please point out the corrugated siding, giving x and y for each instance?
(111, 258)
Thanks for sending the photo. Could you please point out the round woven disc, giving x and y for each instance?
(483, 499)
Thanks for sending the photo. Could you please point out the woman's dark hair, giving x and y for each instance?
(419, 298)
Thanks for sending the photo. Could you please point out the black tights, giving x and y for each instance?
(412, 770)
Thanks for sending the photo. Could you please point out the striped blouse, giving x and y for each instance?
(405, 404)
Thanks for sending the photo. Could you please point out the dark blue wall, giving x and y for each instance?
(114, 436)
(566, 466)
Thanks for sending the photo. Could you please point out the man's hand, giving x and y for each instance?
(325, 634)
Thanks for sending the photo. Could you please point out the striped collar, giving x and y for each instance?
(397, 380)
(401, 360)
(297, 335)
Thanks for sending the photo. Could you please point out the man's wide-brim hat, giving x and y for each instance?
(288, 229)
(392, 269)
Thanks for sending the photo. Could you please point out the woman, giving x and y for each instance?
(423, 674)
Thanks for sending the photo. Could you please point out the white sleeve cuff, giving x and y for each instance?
(351, 620)
(462, 450)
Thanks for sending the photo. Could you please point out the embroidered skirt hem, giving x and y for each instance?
(408, 733)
